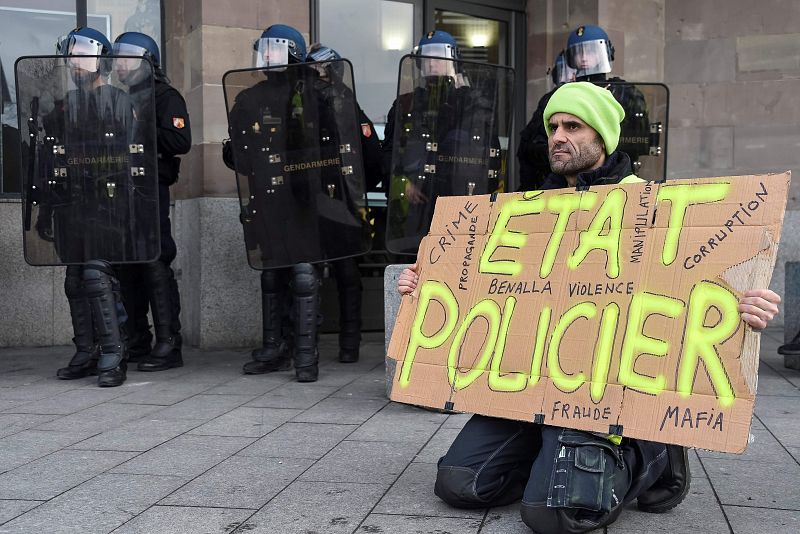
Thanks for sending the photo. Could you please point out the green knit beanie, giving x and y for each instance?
(593, 104)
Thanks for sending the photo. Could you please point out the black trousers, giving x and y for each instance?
(569, 481)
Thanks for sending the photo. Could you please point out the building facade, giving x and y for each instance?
(732, 67)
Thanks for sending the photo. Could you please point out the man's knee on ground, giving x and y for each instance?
(457, 487)
(543, 520)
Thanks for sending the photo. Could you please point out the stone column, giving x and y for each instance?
(220, 293)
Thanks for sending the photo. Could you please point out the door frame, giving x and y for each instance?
(516, 57)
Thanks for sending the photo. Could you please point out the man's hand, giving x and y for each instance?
(407, 282)
(414, 194)
(758, 307)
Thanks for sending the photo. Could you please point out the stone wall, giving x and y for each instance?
(733, 69)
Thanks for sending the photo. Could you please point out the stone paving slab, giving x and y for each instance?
(358, 461)
(321, 507)
(29, 445)
(240, 482)
(97, 506)
(9, 509)
(139, 435)
(299, 440)
(183, 520)
(56, 473)
(399, 524)
(186, 456)
(246, 421)
(746, 520)
(204, 449)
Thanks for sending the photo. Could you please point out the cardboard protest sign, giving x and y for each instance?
(611, 310)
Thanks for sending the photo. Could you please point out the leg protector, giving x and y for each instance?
(108, 316)
(305, 290)
(274, 354)
(167, 352)
(348, 282)
(84, 361)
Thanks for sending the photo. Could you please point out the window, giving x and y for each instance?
(373, 35)
(31, 28)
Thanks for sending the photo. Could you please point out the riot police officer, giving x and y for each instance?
(153, 284)
(590, 54)
(288, 292)
(348, 277)
(442, 135)
(88, 210)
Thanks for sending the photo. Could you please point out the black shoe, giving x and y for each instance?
(113, 377)
(307, 374)
(81, 365)
(789, 349)
(673, 485)
(275, 356)
(348, 355)
(257, 367)
(165, 355)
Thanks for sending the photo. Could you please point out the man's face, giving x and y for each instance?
(587, 58)
(573, 145)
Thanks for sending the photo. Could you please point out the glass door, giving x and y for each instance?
(486, 35)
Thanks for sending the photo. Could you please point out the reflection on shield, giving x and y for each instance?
(295, 138)
(451, 127)
(89, 160)
(643, 133)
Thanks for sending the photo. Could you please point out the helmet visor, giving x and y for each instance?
(441, 50)
(126, 49)
(76, 46)
(590, 57)
(271, 52)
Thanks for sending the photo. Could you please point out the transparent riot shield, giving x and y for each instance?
(296, 149)
(89, 161)
(449, 135)
(643, 133)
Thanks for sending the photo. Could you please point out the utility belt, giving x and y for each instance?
(584, 470)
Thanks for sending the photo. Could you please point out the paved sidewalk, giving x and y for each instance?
(206, 449)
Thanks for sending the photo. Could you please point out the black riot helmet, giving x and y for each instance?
(132, 70)
(85, 41)
(589, 51)
(326, 62)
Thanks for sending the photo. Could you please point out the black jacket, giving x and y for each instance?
(173, 132)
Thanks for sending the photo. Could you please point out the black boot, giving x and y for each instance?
(134, 298)
(167, 351)
(305, 291)
(673, 485)
(108, 316)
(348, 282)
(274, 355)
(84, 362)
(792, 348)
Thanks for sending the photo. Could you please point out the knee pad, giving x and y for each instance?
(541, 519)
(98, 275)
(269, 281)
(457, 487)
(305, 279)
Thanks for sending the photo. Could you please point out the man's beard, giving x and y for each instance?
(577, 162)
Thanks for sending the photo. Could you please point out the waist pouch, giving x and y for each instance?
(583, 472)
